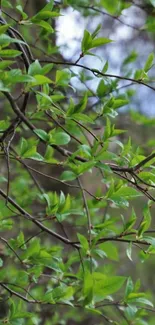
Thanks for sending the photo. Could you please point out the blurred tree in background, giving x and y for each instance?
(77, 156)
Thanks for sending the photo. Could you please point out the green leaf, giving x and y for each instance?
(49, 154)
(68, 175)
(88, 288)
(149, 62)
(16, 77)
(4, 28)
(96, 31)
(86, 41)
(126, 192)
(149, 239)
(101, 89)
(130, 58)
(34, 68)
(105, 155)
(138, 298)
(62, 198)
(5, 64)
(20, 9)
(44, 14)
(48, 6)
(34, 156)
(129, 251)
(40, 80)
(6, 224)
(145, 224)
(30, 152)
(64, 207)
(1, 262)
(63, 77)
(82, 117)
(80, 107)
(19, 315)
(111, 6)
(5, 40)
(32, 249)
(140, 75)
(23, 146)
(85, 167)
(104, 285)
(41, 134)
(9, 53)
(4, 124)
(145, 302)
(111, 250)
(21, 239)
(100, 41)
(94, 311)
(83, 242)
(120, 103)
(131, 221)
(44, 24)
(60, 138)
(129, 287)
(105, 67)
(46, 68)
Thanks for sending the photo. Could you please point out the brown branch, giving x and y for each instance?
(63, 128)
(111, 16)
(143, 162)
(14, 252)
(18, 295)
(36, 222)
(97, 72)
(87, 211)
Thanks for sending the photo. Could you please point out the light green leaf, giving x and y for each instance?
(4, 124)
(63, 77)
(86, 41)
(1, 262)
(5, 64)
(9, 53)
(104, 285)
(119, 103)
(85, 167)
(83, 242)
(40, 80)
(111, 250)
(127, 192)
(131, 221)
(41, 134)
(82, 117)
(44, 14)
(34, 68)
(68, 175)
(4, 28)
(34, 156)
(23, 146)
(60, 138)
(102, 88)
(100, 41)
(111, 6)
(44, 24)
(20, 9)
(88, 288)
(149, 62)
(129, 287)
(129, 251)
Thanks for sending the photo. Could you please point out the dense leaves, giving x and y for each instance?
(77, 185)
